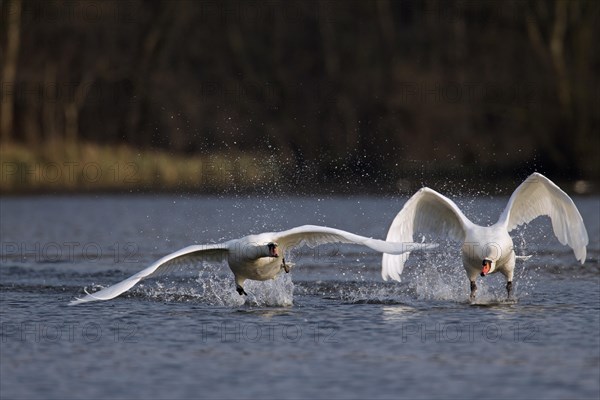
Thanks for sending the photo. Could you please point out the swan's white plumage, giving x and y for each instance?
(312, 236)
(425, 212)
(204, 252)
(430, 212)
(538, 196)
(240, 252)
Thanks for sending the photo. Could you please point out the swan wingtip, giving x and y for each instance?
(75, 302)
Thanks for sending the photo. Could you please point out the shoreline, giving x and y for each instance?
(67, 169)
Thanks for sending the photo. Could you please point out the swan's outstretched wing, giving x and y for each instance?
(313, 235)
(426, 211)
(538, 196)
(211, 252)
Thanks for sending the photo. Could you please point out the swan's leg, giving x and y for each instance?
(509, 272)
(238, 285)
(473, 290)
(285, 267)
(240, 290)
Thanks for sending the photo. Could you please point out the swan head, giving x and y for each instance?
(487, 266)
(272, 249)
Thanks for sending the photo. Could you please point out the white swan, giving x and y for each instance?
(486, 250)
(253, 257)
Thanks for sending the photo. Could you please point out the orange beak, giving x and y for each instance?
(486, 268)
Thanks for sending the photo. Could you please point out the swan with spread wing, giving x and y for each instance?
(254, 257)
(487, 250)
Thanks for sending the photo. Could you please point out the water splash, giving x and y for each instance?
(375, 294)
(433, 284)
(217, 289)
(273, 293)
(441, 276)
(213, 287)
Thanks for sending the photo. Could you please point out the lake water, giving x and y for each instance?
(330, 329)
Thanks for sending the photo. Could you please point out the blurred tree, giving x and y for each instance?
(375, 86)
(12, 17)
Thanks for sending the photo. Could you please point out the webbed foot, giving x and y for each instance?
(241, 291)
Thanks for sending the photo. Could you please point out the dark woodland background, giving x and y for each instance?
(357, 95)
